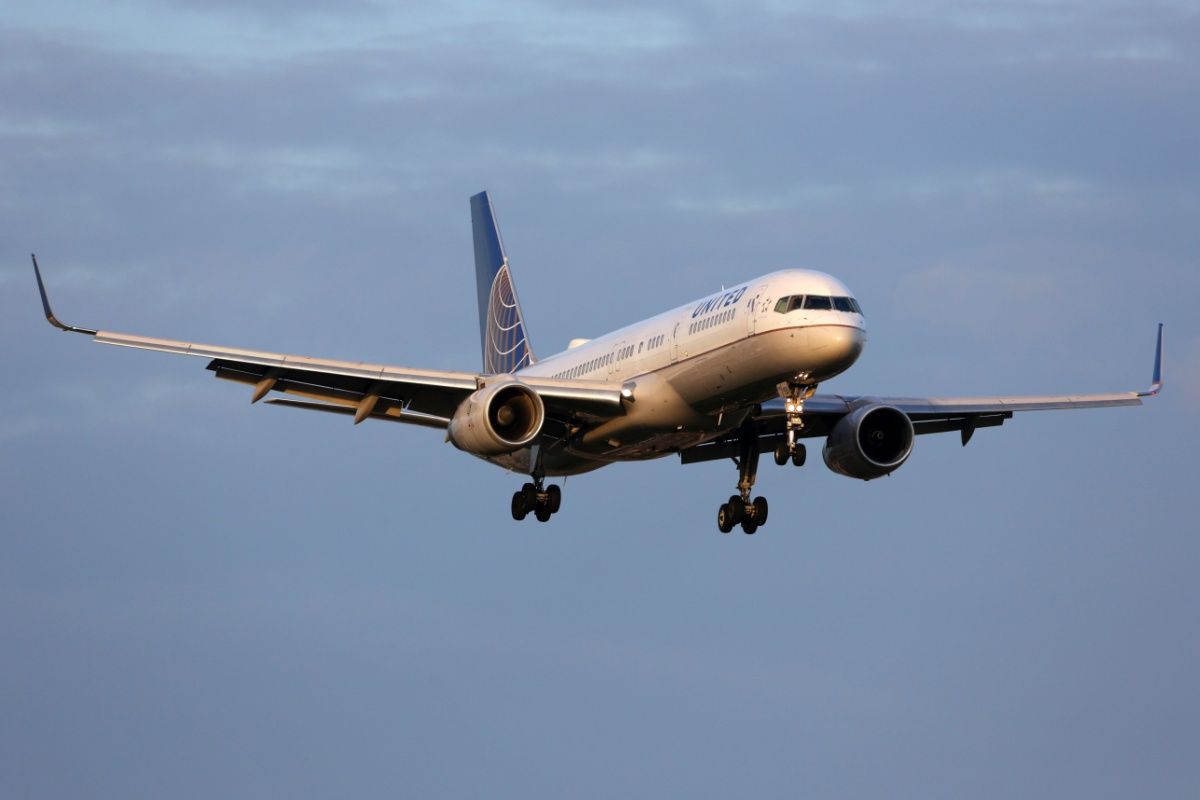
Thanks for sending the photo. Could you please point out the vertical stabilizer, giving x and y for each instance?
(502, 330)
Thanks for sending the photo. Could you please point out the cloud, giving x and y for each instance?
(1186, 366)
(982, 301)
(20, 427)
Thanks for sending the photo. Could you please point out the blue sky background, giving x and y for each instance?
(199, 598)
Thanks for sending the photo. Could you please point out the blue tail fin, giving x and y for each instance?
(501, 324)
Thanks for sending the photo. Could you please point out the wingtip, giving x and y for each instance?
(1156, 381)
(37, 273)
(53, 320)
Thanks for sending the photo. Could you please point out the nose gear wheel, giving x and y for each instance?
(794, 393)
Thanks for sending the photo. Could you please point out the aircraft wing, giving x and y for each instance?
(938, 414)
(361, 390)
(821, 413)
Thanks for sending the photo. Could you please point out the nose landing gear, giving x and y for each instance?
(794, 393)
(797, 455)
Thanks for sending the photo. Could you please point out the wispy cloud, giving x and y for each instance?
(982, 301)
(1187, 366)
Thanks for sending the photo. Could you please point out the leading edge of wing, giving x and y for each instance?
(461, 381)
(920, 407)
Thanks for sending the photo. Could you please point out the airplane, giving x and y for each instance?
(730, 375)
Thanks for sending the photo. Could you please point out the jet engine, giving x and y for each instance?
(869, 442)
(502, 417)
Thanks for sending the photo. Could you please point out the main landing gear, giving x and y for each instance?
(741, 510)
(543, 501)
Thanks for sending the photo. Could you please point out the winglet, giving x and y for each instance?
(46, 304)
(1156, 384)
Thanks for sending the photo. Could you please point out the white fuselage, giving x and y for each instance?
(698, 370)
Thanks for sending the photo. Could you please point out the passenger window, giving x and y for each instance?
(843, 304)
(818, 303)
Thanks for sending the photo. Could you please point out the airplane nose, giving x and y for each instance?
(836, 347)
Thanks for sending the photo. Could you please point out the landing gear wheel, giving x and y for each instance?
(553, 498)
(760, 512)
(542, 513)
(782, 455)
(737, 508)
(725, 521)
(749, 526)
(519, 510)
(529, 492)
(799, 457)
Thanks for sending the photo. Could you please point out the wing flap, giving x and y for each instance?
(390, 414)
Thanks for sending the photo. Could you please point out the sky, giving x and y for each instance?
(202, 598)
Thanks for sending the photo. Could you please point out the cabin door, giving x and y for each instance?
(756, 306)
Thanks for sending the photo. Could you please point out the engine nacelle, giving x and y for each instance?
(869, 442)
(502, 417)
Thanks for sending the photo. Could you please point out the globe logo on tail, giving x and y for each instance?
(507, 348)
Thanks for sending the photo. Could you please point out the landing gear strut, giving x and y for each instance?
(741, 510)
(794, 393)
(543, 501)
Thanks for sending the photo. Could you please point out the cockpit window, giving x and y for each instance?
(790, 303)
(816, 302)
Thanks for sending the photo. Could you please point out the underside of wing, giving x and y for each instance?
(377, 391)
(420, 398)
(367, 389)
